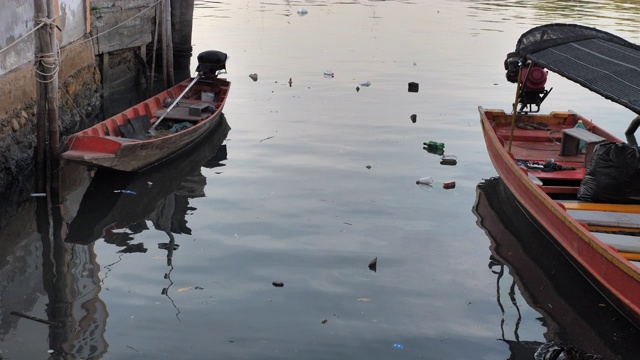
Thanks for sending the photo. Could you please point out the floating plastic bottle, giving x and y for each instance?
(328, 74)
(434, 147)
(580, 125)
(427, 180)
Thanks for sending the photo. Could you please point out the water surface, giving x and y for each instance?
(319, 179)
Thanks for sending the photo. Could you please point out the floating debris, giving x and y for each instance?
(449, 185)
(373, 264)
(368, 167)
(254, 77)
(130, 192)
(302, 11)
(449, 160)
(413, 118)
(328, 74)
(278, 283)
(324, 321)
(413, 87)
(366, 83)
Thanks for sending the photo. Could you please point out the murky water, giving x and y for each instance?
(319, 179)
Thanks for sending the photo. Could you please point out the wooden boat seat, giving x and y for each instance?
(137, 128)
(571, 142)
(191, 111)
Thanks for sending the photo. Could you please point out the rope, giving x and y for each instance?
(46, 21)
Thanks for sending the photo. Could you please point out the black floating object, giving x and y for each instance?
(278, 283)
(413, 87)
(414, 118)
(373, 264)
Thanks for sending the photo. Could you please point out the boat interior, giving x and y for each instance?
(536, 140)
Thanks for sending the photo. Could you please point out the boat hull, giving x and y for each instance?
(105, 146)
(611, 273)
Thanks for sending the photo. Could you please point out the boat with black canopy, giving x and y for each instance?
(576, 180)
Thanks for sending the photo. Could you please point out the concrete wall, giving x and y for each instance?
(17, 21)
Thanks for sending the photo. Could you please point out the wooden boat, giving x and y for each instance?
(539, 156)
(158, 127)
(547, 282)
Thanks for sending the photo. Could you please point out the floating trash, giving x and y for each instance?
(130, 192)
(38, 195)
(278, 283)
(254, 77)
(398, 346)
(373, 264)
(413, 118)
(413, 87)
(449, 185)
(365, 83)
(427, 180)
(448, 160)
(328, 74)
(302, 11)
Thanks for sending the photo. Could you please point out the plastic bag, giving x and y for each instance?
(612, 175)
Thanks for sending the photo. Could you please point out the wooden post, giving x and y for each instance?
(41, 102)
(170, 67)
(165, 80)
(155, 48)
(52, 105)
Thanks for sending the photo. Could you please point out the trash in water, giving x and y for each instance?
(357, 88)
(365, 83)
(557, 351)
(413, 118)
(398, 346)
(278, 283)
(324, 321)
(254, 77)
(302, 12)
(131, 192)
(328, 74)
(449, 185)
(434, 147)
(427, 180)
(38, 195)
(413, 87)
(448, 160)
(290, 82)
(373, 264)
(368, 167)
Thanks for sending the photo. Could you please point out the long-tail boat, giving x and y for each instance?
(576, 180)
(159, 127)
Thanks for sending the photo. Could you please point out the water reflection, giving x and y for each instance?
(570, 308)
(74, 315)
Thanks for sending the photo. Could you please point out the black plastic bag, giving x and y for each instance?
(612, 175)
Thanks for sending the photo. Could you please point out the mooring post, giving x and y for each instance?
(41, 100)
(52, 104)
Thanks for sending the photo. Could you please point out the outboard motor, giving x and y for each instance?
(211, 63)
(532, 79)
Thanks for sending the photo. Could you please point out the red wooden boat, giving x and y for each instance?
(548, 160)
(158, 127)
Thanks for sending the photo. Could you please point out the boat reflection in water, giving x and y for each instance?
(572, 311)
(75, 315)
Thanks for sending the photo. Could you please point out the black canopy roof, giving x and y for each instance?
(602, 62)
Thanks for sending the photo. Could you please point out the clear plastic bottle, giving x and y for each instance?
(427, 180)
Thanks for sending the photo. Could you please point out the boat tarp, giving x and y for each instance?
(602, 62)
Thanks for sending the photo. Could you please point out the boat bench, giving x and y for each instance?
(570, 144)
